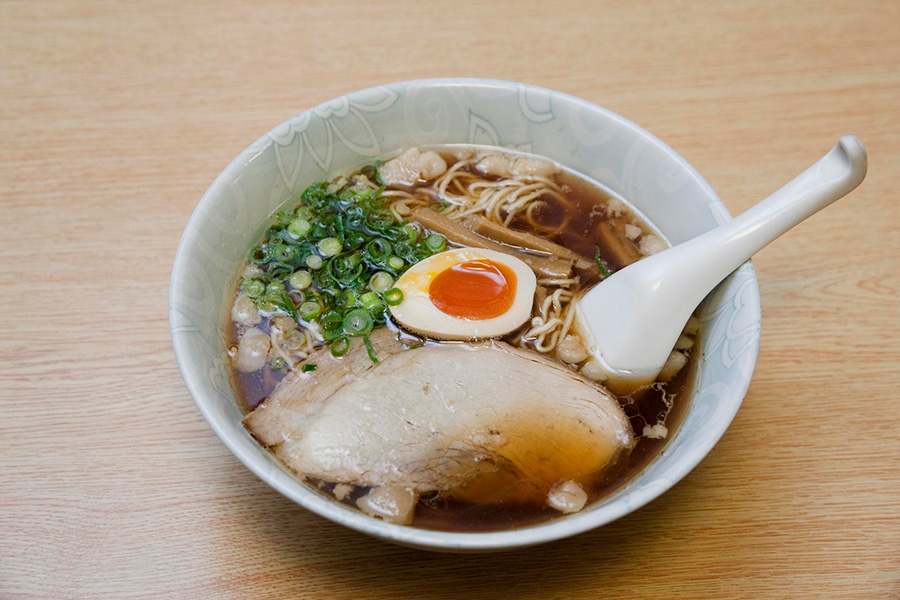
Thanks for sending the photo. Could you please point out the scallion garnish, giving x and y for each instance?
(436, 242)
(299, 228)
(254, 287)
(300, 280)
(370, 301)
(372, 356)
(358, 322)
(332, 262)
(600, 266)
(381, 282)
(349, 298)
(396, 263)
(310, 310)
(340, 346)
(393, 296)
(314, 262)
(378, 250)
(330, 246)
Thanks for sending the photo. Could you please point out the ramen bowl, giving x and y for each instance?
(359, 128)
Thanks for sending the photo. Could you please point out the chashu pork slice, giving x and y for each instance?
(287, 410)
(486, 423)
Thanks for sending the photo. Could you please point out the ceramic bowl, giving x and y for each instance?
(353, 130)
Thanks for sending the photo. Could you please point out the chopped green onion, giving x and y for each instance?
(396, 263)
(381, 220)
(410, 232)
(277, 363)
(350, 261)
(330, 246)
(340, 346)
(300, 280)
(370, 350)
(314, 262)
(600, 266)
(348, 298)
(405, 251)
(370, 300)
(282, 253)
(254, 287)
(345, 269)
(266, 304)
(294, 339)
(308, 367)
(358, 322)
(299, 228)
(355, 238)
(339, 253)
(310, 310)
(277, 300)
(393, 296)
(332, 321)
(381, 281)
(258, 255)
(436, 242)
(378, 250)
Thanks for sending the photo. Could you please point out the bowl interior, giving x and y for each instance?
(350, 131)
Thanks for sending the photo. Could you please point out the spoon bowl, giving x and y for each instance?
(632, 320)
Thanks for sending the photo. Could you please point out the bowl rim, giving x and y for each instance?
(435, 539)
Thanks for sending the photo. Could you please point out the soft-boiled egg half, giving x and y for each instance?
(465, 293)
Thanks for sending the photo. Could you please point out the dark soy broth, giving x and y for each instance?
(589, 220)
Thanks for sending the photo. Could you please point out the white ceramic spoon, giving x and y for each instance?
(632, 320)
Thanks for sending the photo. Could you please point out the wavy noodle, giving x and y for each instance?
(540, 227)
(464, 192)
(402, 203)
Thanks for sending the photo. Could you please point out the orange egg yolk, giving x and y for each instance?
(475, 290)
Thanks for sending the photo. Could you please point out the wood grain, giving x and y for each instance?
(114, 117)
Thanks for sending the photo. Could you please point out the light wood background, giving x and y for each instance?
(115, 117)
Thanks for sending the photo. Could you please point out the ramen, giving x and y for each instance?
(403, 339)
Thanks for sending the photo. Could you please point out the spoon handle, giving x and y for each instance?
(835, 175)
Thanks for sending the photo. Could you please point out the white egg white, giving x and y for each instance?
(419, 314)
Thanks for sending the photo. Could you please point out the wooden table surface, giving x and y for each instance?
(115, 117)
